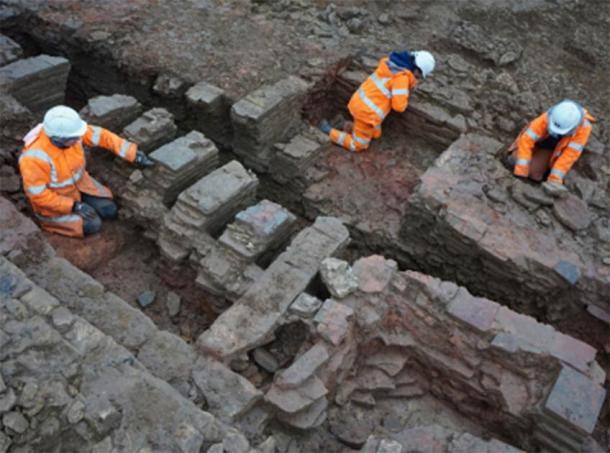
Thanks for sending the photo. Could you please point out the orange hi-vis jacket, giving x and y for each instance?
(566, 153)
(381, 92)
(53, 178)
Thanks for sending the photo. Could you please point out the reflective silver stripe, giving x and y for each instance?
(577, 146)
(352, 147)
(70, 181)
(98, 186)
(41, 155)
(341, 139)
(399, 91)
(378, 126)
(523, 161)
(586, 123)
(60, 219)
(364, 141)
(97, 134)
(37, 190)
(124, 148)
(559, 173)
(370, 104)
(532, 134)
(380, 84)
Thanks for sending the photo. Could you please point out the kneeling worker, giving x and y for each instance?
(64, 197)
(551, 144)
(386, 89)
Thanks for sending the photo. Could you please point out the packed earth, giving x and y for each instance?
(265, 290)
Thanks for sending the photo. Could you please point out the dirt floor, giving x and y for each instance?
(119, 46)
(128, 264)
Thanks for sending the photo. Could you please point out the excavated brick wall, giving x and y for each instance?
(472, 222)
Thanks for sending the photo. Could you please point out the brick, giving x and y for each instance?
(257, 229)
(477, 312)
(374, 273)
(154, 128)
(9, 50)
(332, 321)
(296, 400)
(574, 352)
(526, 328)
(306, 305)
(265, 117)
(210, 112)
(576, 400)
(228, 393)
(303, 367)
(111, 112)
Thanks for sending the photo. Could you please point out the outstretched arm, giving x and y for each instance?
(98, 136)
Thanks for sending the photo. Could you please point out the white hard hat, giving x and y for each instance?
(64, 122)
(565, 117)
(424, 61)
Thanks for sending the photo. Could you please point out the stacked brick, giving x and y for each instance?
(267, 116)
(150, 193)
(9, 50)
(203, 209)
(38, 83)
(232, 266)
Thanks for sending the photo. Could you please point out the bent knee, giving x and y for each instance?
(109, 210)
(92, 226)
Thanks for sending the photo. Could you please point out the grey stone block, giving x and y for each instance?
(228, 394)
(258, 228)
(9, 50)
(111, 112)
(266, 301)
(205, 207)
(292, 159)
(264, 117)
(37, 82)
(210, 112)
(154, 128)
(306, 305)
(576, 401)
(303, 367)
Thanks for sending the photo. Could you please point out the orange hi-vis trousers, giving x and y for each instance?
(359, 139)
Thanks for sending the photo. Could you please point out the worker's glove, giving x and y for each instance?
(142, 160)
(554, 189)
(84, 210)
(325, 127)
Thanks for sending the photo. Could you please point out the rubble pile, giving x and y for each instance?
(401, 335)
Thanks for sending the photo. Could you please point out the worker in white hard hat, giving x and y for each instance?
(550, 145)
(387, 89)
(64, 197)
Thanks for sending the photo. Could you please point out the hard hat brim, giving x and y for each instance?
(556, 131)
(82, 129)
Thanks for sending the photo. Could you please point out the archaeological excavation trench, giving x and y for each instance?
(304, 297)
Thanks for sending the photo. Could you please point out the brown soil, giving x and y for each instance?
(126, 263)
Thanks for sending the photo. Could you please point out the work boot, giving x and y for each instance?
(555, 189)
(348, 126)
(325, 126)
